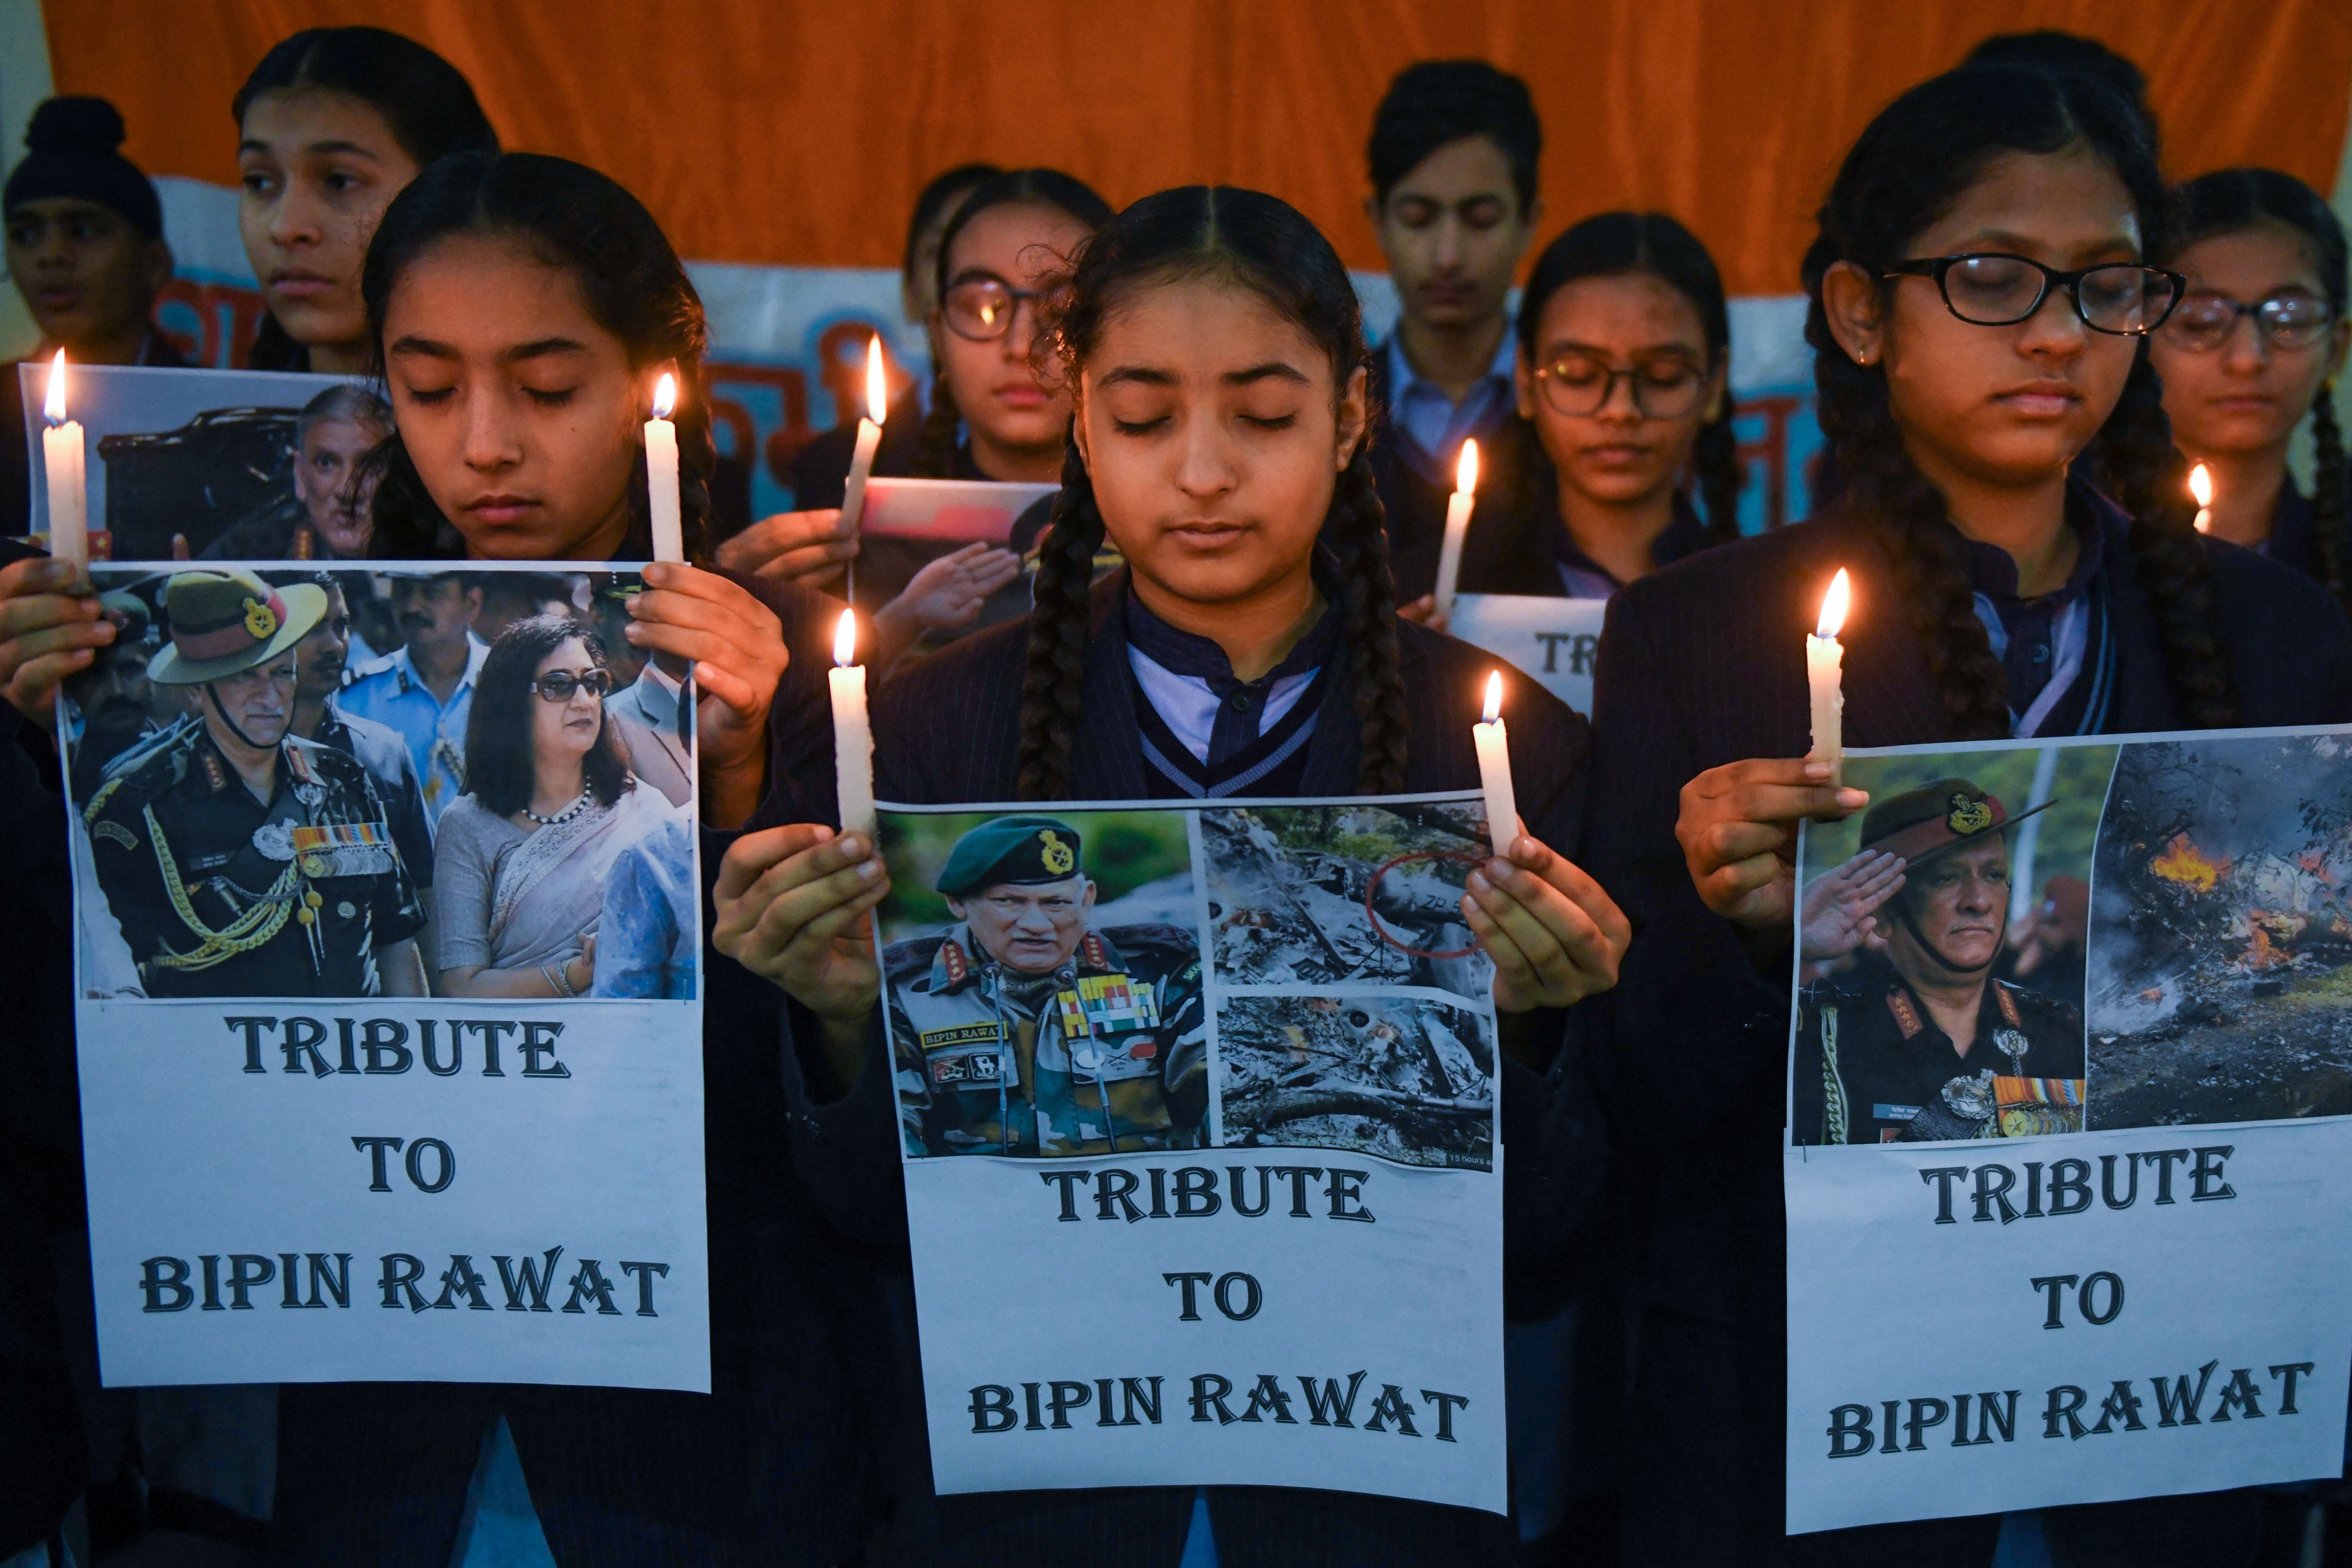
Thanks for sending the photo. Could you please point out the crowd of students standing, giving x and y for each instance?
(2006, 439)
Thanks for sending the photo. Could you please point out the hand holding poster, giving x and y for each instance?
(389, 1037)
(1226, 1074)
(2071, 1133)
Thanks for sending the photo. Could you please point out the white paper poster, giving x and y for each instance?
(1552, 641)
(2105, 1249)
(390, 1062)
(1198, 1115)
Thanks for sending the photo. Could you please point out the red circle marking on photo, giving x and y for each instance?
(1391, 864)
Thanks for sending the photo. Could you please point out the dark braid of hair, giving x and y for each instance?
(1715, 461)
(1885, 486)
(935, 443)
(2331, 499)
(1358, 531)
(1053, 686)
(2175, 565)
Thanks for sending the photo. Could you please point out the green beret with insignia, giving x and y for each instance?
(1019, 849)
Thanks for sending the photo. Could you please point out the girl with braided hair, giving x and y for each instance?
(1980, 302)
(1249, 647)
(2261, 246)
(1624, 408)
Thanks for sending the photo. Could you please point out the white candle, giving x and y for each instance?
(661, 474)
(63, 459)
(2201, 485)
(1457, 523)
(869, 436)
(1494, 744)
(1823, 659)
(853, 732)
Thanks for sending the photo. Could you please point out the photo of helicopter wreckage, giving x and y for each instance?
(2221, 934)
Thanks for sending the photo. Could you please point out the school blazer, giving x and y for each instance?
(1703, 663)
(948, 730)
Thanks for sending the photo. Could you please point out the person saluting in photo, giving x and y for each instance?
(1024, 1031)
(1918, 1041)
(1980, 298)
(1213, 348)
(240, 860)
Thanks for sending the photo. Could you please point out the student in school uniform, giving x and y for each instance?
(820, 472)
(992, 416)
(1622, 386)
(1980, 301)
(1211, 341)
(537, 455)
(331, 124)
(2253, 349)
(1453, 150)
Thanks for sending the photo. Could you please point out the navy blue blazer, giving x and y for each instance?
(948, 730)
(1703, 665)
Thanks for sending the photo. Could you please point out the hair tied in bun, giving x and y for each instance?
(88, 126)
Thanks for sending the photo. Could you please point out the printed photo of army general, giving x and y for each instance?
(1942, 950)
(500, 804)
(1043, 983)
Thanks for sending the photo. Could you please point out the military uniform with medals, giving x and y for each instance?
(1106, 1054)
(219, 894)
(1873, 1066)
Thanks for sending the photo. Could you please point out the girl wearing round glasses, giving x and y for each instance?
(1624, 356)
(1980, 302)
(2255, 344)
(520, 859)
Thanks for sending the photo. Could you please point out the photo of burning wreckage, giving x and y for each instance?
(1405, 1077)
(1330, 895)
(2221, 934)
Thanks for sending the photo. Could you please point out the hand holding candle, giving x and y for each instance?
(1457, 524)
(661, 474)
(1823, 659)
(2201, 485)
(853, 732)
(1494, 743)
(63, 459)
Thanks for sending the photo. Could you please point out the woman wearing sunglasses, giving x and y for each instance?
(1625, 409)
(520, 858)
(2255, 345)
(1979, 305)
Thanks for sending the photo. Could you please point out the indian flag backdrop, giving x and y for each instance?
(781, 142)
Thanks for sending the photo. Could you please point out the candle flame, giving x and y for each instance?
(2201, 485)
(1465, 472)
(1833, 605)
(55, 406)
(845, 640)
(877, 385)
(665, 395)
(1494, 696)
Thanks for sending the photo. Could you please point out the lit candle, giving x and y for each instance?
(661, 473)
(2201, 485)
(869, 436)
(1822, 658)
(853, 732)
(63, 459)
(1457, 523)
(1494, 744)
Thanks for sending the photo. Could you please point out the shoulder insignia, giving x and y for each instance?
(1092, 953)
(1906, 1013)
(297, 759)
(114, 832)
(2007, 996)
(215, 776)
(957, 966)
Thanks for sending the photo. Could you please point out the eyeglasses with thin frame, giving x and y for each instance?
(557, 685)
(1995, 289)
(1578, 385)
(2206, 319)
(980, 310)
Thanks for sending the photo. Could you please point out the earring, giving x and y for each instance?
(1862, 356)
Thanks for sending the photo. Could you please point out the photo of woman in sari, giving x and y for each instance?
(522, 859)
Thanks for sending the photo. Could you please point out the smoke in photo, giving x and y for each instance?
(1408, 1079)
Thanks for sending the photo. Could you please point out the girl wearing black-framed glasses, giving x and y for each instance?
(2254, 347)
